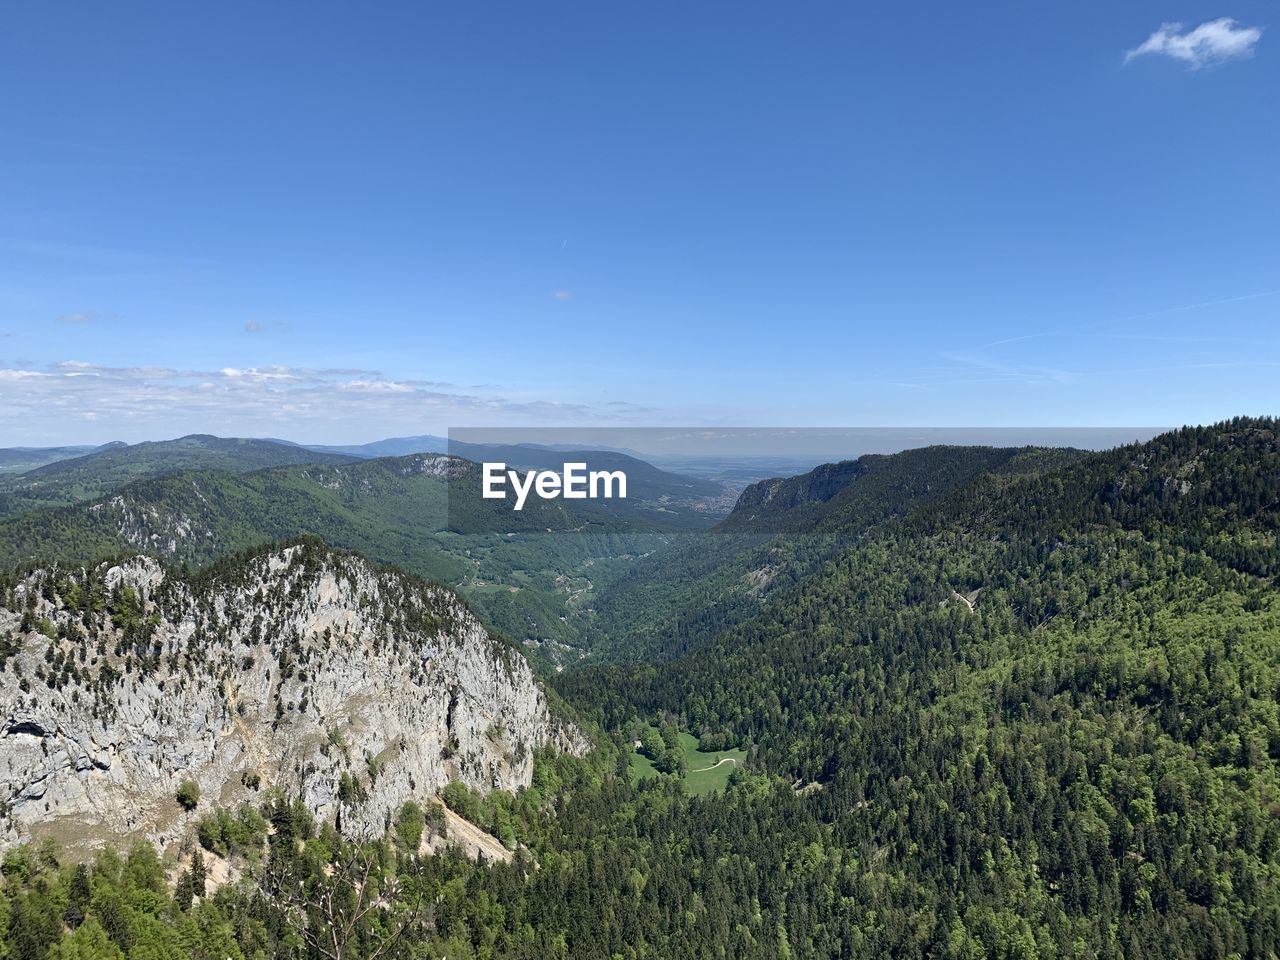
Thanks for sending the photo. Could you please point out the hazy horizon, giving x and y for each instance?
(673, 443)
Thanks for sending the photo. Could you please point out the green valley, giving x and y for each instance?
(599, 481)
(1005, 703)
(533, 575)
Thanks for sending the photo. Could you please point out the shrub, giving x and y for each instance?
(410, 825)
(462, 801)
(188, 794)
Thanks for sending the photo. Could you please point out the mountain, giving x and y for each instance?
(429, 443)
(781, 530)
(525, 582)
(21, 459)
(644, 480)
(853, 494)
(116, 464)
(390, 447)
(993, 706)
(301, 669)
(620, 580)
(670, 498)
(1041, 709)
(108, 468)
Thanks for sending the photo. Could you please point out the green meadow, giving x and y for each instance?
(707, 770)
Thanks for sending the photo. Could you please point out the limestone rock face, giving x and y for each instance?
(788, 493)
(352, 688)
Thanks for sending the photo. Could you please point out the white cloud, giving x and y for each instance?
(318, 405)
(76, 317)
(564, 294)
(376, 386)
(265, 374)
(1212, 42)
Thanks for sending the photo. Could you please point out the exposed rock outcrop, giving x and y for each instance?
(780, 494)
(354, 688)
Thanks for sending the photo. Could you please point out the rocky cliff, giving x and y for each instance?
(817, 486)
(782, 502)
(351, 687)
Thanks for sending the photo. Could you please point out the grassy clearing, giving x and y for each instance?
(707, 771)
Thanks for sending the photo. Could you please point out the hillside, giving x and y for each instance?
(1028, 709)
(1086, 752)
(855, 494)
(644, 481)
(300, 669)
(76, 479)
(22, 459)
(389, 447)
(780, 531)
(618, 579)
(525, 581)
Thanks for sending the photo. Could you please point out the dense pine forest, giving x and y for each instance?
(1027, 706)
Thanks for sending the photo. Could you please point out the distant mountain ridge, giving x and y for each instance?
(57, 480)
(644, 480)
(107, 468)
(190, 452)
(410, 511)
(20, 459)
(389, 447)
(877, 486)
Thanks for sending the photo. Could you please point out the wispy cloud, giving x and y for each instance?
(564, 294)
(256, 326)
(1112, 322)
(321, 405)
(1214, 41)
(76, 317)
(999, 371)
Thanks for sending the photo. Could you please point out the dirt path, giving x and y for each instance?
(722, 762)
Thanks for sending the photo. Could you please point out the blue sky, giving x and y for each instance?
(333, 224)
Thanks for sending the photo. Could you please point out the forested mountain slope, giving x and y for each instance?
(1084, 763)
(72, 480)
(779, 532)
(855, 494)
(21, 459)
(1035, 716)
(525, 581)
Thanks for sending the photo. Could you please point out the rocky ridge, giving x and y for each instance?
(351, 687)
